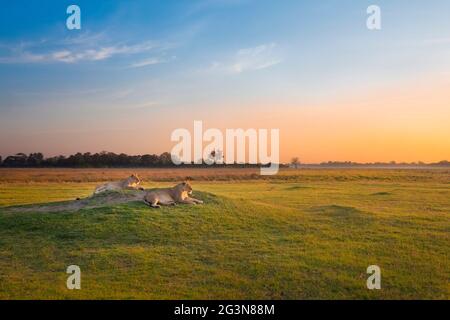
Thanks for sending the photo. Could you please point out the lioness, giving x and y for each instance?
(171, 196)
(131, 182)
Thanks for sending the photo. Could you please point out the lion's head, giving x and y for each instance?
(185, 187)
(134, 179)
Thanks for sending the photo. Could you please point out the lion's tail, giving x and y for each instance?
(99, 189)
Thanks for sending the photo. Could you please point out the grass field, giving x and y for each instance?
(305, 234)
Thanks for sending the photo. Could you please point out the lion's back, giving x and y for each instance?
(164, 195)
(110, 186)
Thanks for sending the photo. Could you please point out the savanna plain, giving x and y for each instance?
(302, 234)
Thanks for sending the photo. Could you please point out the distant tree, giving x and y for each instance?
(295, 162)
(212, 156)
(18, 160)
(35, 159)
(149, 160)
(122, 160)
(165, 159)
(216, 157)
(135, 161)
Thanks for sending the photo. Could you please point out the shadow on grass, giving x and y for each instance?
(342, 213)
(297, 187)
(381, 194)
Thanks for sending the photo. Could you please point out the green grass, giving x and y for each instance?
(251, 239)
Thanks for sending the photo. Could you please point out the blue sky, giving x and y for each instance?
(136, 60)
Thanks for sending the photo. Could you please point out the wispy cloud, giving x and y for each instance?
(151, 61)
(256, 58)
(24, 57)
(248, 59)
(101, 53)
(79, 49)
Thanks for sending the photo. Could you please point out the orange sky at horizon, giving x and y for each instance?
(406, 123)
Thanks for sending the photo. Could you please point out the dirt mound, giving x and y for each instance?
(97, 201)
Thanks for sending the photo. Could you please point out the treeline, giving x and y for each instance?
(97, 160)
(85, 160)
(112, 160)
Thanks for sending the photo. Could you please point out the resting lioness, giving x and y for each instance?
(131, 182)
(171, 196)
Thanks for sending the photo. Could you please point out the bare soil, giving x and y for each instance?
(101, 200)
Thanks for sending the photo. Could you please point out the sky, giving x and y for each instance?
(137, 70)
